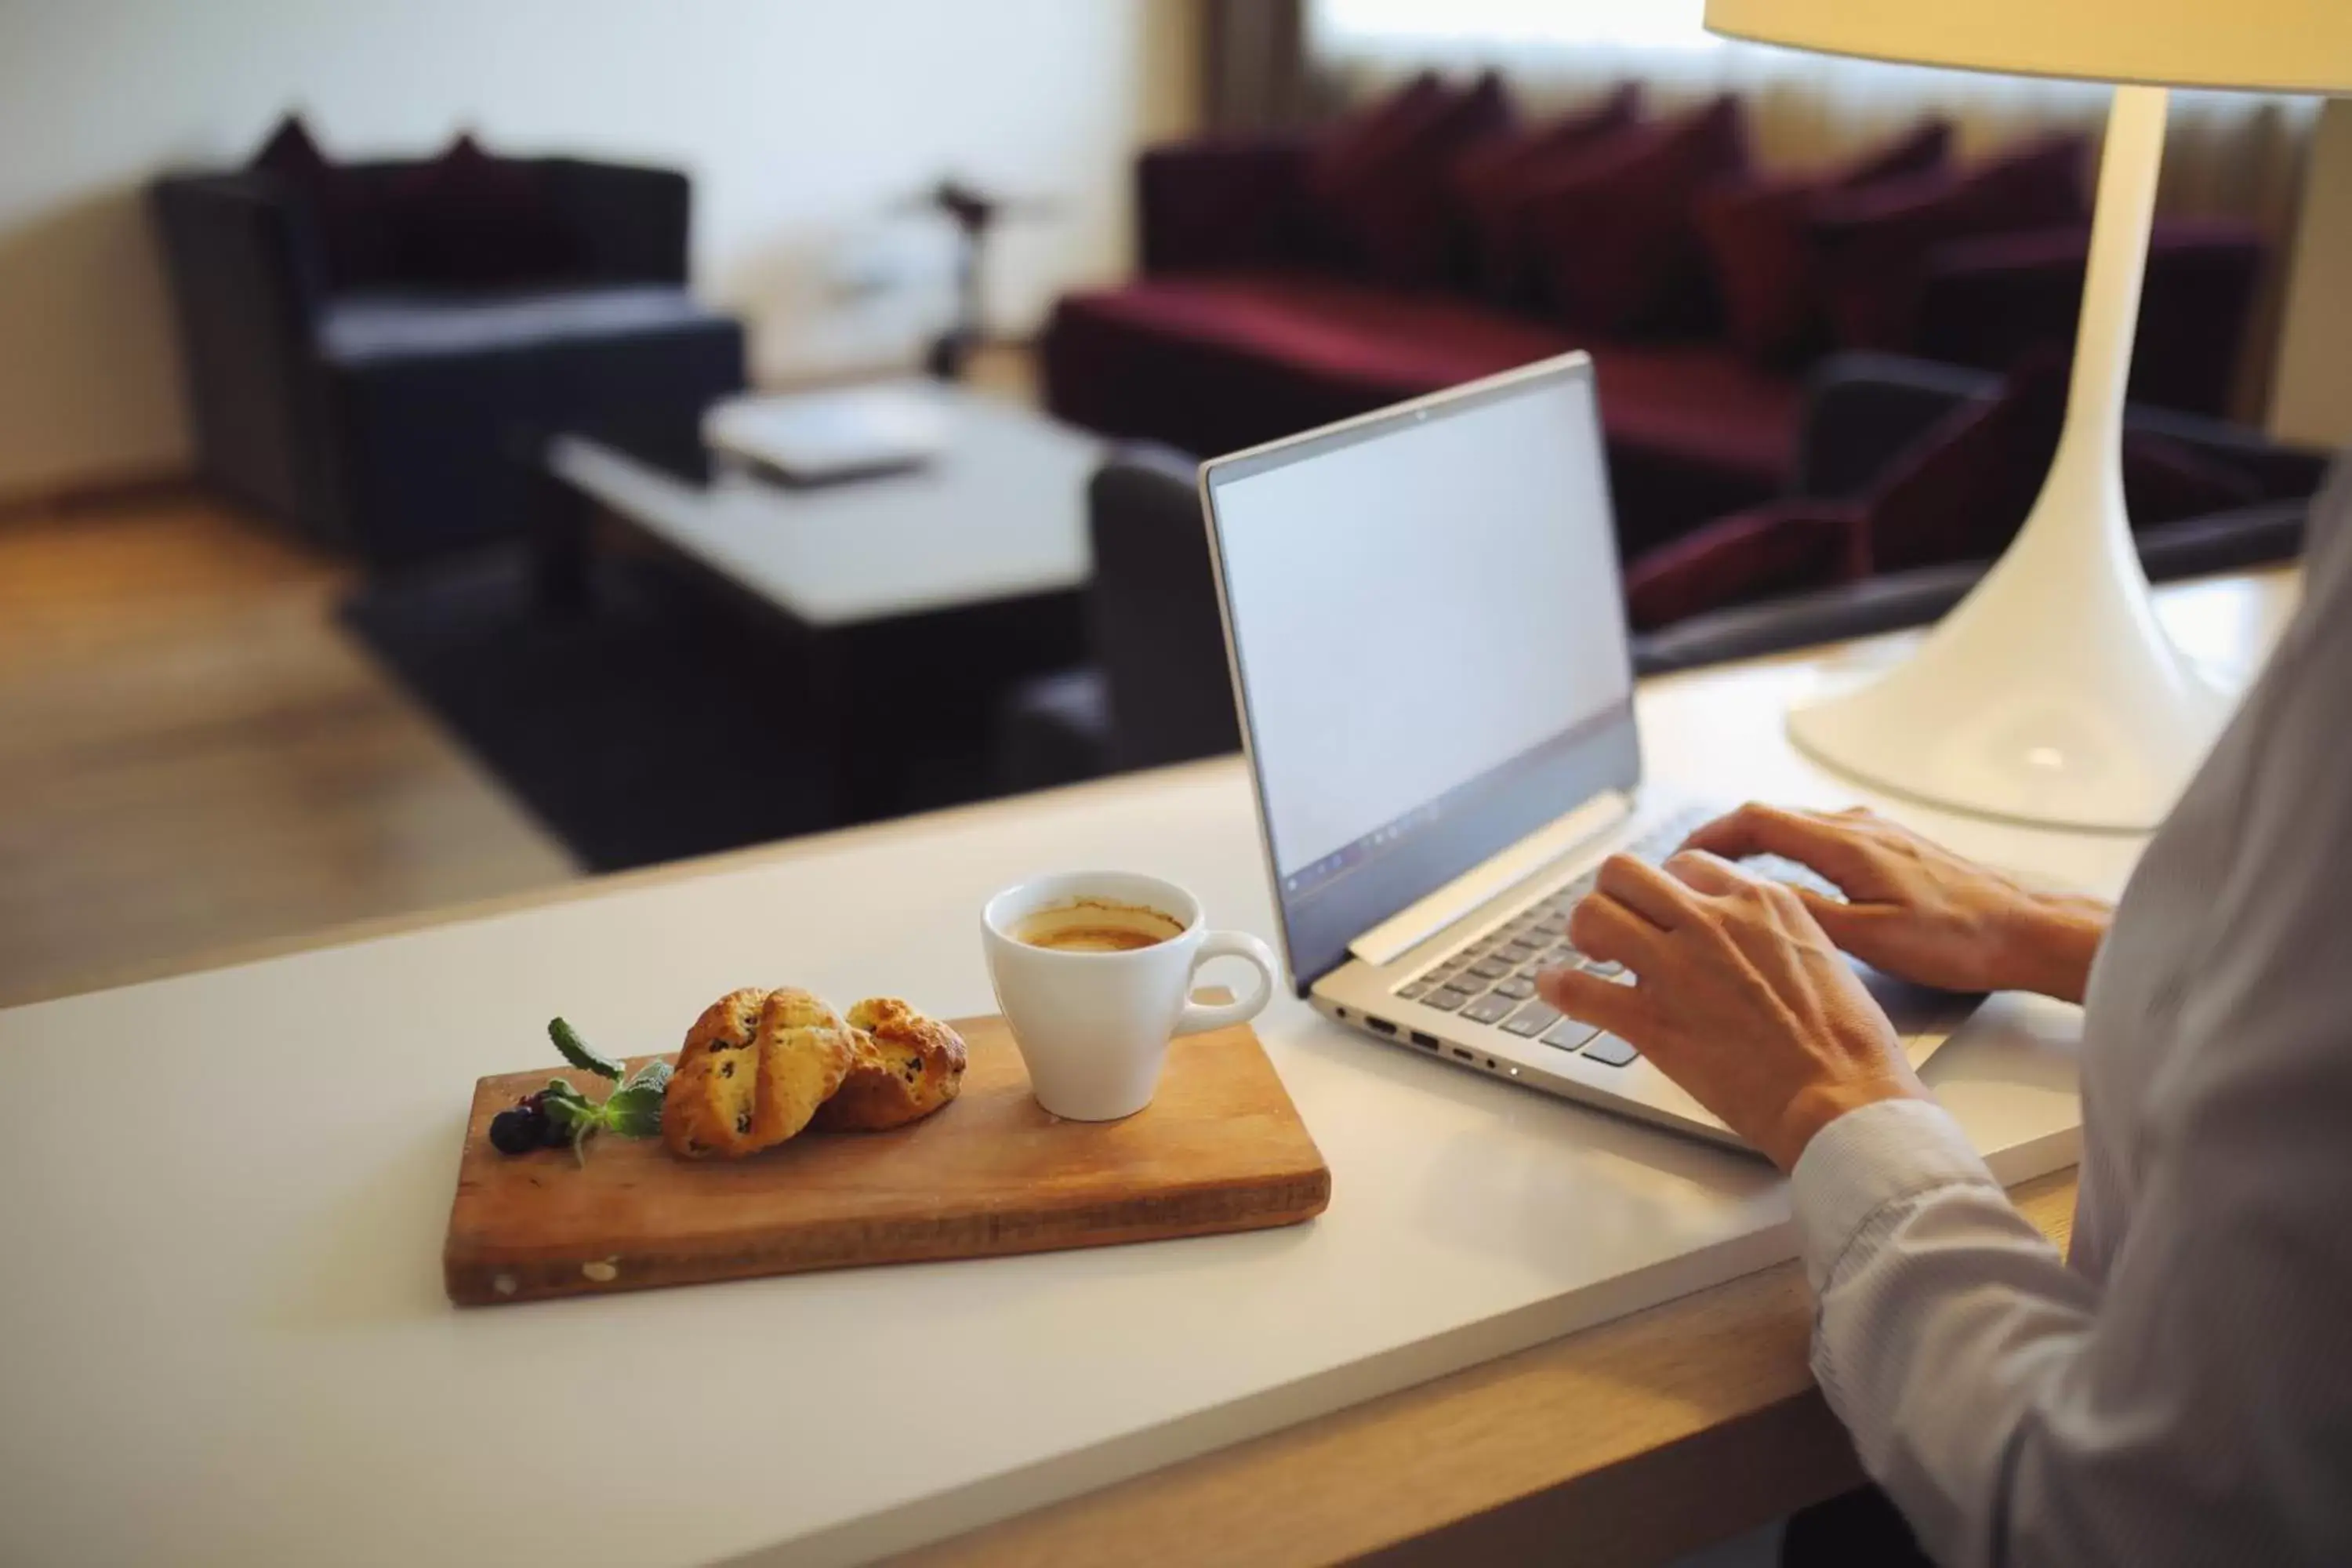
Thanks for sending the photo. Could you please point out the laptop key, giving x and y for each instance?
(1532, 1019)
(1446, 999)
(1488, 1009)
(1490, 969)
(1519, 987)
(1414, 992)
(1569, 1032)
(1611, 1051)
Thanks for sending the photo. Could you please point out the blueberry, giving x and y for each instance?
(515, 1132)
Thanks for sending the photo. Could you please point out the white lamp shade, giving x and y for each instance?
(2277, 46)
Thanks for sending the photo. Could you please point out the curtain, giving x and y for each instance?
(1253, 72)
(2226, 154)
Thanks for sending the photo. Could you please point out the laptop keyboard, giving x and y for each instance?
(1491, 978)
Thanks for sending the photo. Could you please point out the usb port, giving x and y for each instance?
(1465, 1056)
(1382, 1024)
(1427, 1041)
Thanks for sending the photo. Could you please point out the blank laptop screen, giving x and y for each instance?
(1429, 632)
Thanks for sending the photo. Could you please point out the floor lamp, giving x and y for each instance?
(2051, 695)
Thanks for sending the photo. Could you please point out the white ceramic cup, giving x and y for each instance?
(1092, 1027)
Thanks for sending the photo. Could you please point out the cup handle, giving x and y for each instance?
(1197, 1017)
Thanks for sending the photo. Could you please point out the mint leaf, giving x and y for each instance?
(569, 1109)
(656, 1072)
(634, 1109)
(575, 1050)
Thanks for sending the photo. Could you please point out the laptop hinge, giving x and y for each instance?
(1418, 922)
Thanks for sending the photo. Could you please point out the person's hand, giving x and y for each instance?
(1918, 911)
(1739, 997)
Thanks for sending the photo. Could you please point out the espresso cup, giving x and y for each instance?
(1093, 1017)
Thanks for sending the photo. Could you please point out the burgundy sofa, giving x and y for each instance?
(1247, 324)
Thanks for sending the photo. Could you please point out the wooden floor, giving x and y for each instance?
(193, 756)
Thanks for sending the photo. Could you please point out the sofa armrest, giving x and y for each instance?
(1053, 729)
(248, 282)
(1776, 549)
(1988, 302)
(632, 223)
(1151, 611)
(1864, 410)
(1221, 203)
(239, 234)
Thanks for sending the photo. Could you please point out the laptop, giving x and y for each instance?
(1426, 632)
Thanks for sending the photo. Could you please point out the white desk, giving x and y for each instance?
(223, 1337)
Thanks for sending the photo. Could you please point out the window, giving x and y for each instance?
(1378, 26)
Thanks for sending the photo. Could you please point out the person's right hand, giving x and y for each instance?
(1915, 909)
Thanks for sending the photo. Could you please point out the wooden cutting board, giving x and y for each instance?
(1220, 1148)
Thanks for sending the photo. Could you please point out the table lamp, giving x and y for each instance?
(2051, 695)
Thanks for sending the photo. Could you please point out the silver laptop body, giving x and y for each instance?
(1425, 627)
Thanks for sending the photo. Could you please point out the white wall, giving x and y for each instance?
(803, 121)
(2312, 399)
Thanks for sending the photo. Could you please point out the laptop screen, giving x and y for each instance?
(1429, 643)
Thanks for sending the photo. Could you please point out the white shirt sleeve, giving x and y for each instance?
(2192, 1413)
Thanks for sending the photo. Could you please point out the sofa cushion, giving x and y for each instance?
(353, 233)
(1986, 301)
(1613, 232)
(373, 328)
(1492, 182)
(1380, 184)
(1761, 243)
(1875, 241)
(1216, 361)
(1354, 148)
(468, 220)
(1388, 343)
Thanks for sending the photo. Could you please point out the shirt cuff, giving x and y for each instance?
(1871, 1156)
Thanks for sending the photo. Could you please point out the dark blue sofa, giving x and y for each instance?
(393, 419)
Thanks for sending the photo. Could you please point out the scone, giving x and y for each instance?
(711, 1106)
(804, 1052)
(906, 1066)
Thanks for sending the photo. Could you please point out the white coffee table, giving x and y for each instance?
(999, 515)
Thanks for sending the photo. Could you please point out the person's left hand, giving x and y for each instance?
(1739, 997)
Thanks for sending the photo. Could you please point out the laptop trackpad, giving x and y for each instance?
(1925, 1017)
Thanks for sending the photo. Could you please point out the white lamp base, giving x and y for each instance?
(2051, 695)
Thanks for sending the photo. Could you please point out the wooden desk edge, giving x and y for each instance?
(1637, 1440)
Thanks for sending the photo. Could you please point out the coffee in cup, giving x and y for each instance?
(1096, 925)
(1094, 972)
